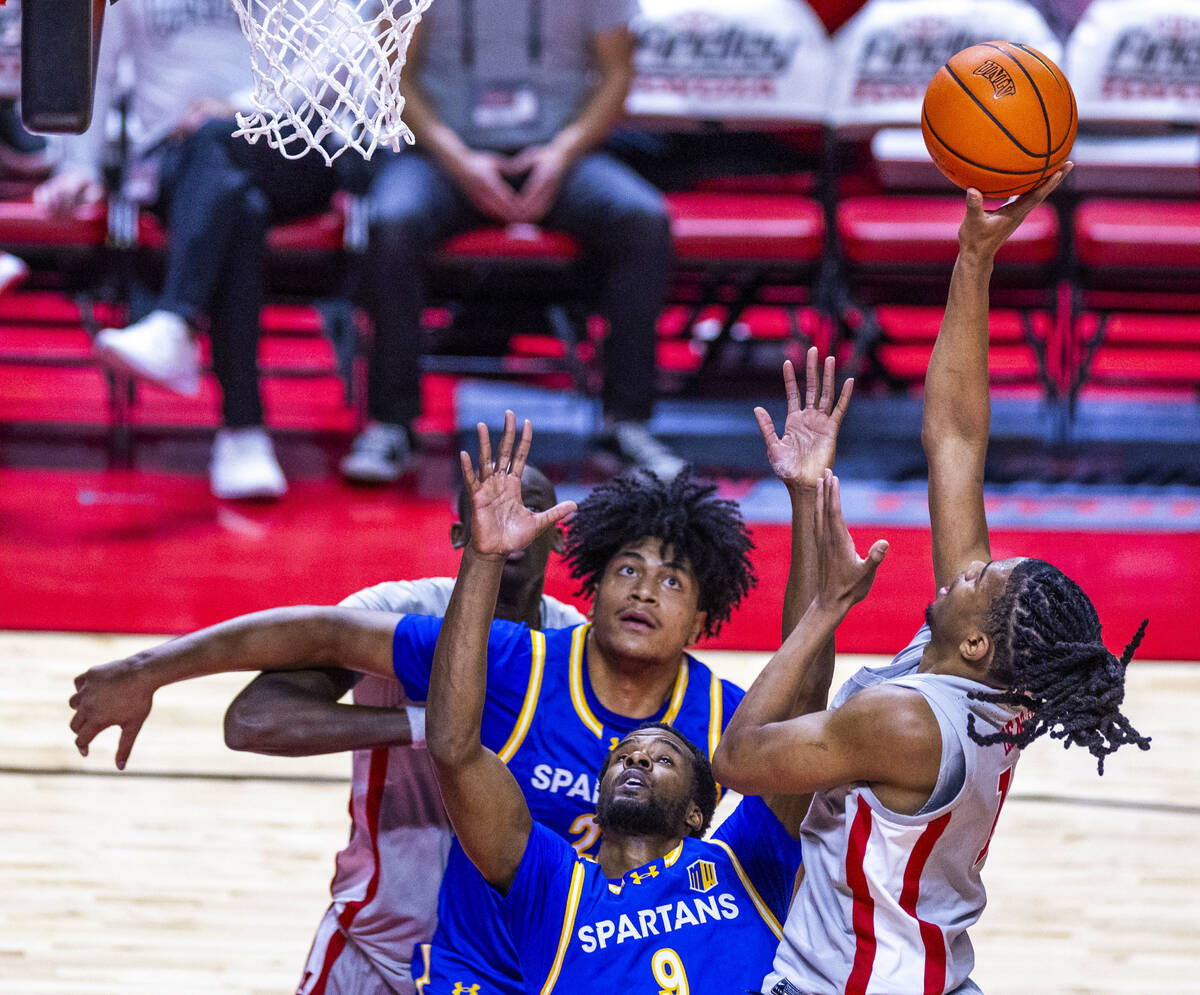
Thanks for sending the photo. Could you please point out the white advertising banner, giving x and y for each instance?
(1137, 62)
(885, 56)
(709, 60)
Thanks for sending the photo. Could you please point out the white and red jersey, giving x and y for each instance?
(886, 898)
(385, 885)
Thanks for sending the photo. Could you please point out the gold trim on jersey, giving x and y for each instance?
(568, 926)
(767, 915)
(681, 683)
(579, 698)
(670, 858)
(715, 714)
(423, 980)
(537, 668)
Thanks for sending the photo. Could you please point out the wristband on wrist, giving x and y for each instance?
(416, 725)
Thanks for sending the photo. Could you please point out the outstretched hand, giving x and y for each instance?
(844, 578)
(983, 232)
(806, 449)
(110, 695)
(500, 521)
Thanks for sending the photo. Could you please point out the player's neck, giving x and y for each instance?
(621, 852)
(527, 610)
(938, 659)
(632, 687)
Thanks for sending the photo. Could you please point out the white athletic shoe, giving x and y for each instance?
(244, 467)
(158, 348)
(13, 271)
(633, 444)
(379, 455)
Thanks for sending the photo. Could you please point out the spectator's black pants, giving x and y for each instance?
(218, 195)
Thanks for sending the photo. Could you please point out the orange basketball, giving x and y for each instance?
(999, 117)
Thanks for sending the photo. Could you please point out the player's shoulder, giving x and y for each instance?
(894, 716)
(422, 596)
(557, 614)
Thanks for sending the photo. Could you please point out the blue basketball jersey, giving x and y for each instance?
(543, 719)
(702, 920)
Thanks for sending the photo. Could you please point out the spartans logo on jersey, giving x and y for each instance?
(703, 875)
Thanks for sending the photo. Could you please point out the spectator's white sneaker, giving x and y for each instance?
(379, 455)
(158, 348)
(13, 271)
(244, 467)
(633, 444)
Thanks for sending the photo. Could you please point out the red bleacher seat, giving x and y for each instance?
(732, 227)
(909, 231)
(523, 243)
(324, 232)
(1138, 234)
(26, 224)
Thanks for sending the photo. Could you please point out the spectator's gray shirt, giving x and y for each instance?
(506, 74)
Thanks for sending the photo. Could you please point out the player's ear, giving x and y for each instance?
(976, 648)
(695, 818)
(558, 542)
(458, 536)
(698, 624)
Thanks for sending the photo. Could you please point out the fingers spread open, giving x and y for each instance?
(827, 384)
(810, 377)
(468, 471)
(791, 389)
(504, 458)
(522, 454)
(766, 426)
(839, 411)
(485, 451)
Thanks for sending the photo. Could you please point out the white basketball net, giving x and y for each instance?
(327, 73)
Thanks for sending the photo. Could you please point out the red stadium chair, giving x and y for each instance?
(896, 218)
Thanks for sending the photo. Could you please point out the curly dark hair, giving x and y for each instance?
(704, 785)
(1050, 658)
(685, 515)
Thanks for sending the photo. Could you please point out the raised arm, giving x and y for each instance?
(799, 458)
(121, 693)
(957, 409)
(482, 798)
(765, 748)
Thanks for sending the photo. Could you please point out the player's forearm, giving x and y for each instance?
(956, 384)
(458, 679)
(797, 673)
(298, 715)
(801, 589)
(276, 639)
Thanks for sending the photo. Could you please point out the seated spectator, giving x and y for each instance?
(508, 100)
(184, 67)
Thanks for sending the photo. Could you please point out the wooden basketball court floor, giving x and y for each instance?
(198, 870)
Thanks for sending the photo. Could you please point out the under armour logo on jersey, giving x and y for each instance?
(461, 989)
(702, 874)
(649, 872)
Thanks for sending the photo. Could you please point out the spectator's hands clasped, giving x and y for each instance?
(481, 176)
(806, 449)
(543, 167)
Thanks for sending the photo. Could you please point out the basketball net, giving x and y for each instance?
(327, 74)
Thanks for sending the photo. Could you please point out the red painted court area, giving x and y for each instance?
(142, 552)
